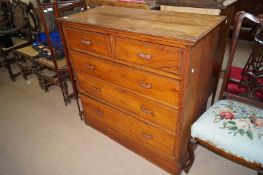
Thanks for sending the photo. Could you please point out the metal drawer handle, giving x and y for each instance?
(86, 42)
(147, 136)
(144, 56)
(146, 111)
(90, 66)
(97, 89)
(145, 85)
(99, 112)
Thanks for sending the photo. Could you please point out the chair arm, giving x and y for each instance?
(4, 22)
(6, 32)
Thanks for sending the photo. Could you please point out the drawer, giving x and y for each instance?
(157, 113)
(128, 125)
(165, 58)
(88, 41)
(152, 85)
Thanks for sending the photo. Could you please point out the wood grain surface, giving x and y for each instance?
(147, 80)
(180, 26)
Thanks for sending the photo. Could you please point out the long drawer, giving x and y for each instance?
(87, 41)
(151, 85)
(165, 58)
(128, 125)
(159, 114)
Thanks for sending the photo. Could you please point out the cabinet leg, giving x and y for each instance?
(191, 148)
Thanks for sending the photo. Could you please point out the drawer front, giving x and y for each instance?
(151, 85)
(156, 56)
(88, 41)
(157, 113)
(124, 123)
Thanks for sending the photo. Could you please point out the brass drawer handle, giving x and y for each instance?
(86, 42)
(97, 89)
(145, 85)
(147, 136)
(99, 112)
(146, 111)
(91, 66)
(144, 56)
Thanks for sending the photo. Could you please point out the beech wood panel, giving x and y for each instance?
(157, 56)
(145, 133)
(88, 41)
(151, 85)
(141, 107)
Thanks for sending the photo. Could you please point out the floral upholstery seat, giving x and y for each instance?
(233, 127)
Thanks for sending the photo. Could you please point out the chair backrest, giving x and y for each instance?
(60, 7)
(69, 7)
(18, 24)
(4, 12)
(252, 74)
(61, 10)
(19, 14)
(33, 19)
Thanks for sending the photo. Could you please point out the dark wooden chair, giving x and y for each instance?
(233, 126)
(28, 52)
(17, 31)
(59, 67)
(4, 13)
(60, 11)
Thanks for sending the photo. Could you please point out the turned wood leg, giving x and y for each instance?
(8, 67)
(191, 148)
(66, 93)
(20, 64)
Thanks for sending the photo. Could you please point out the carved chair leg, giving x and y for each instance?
(260, 172)
(191, 148)
(66, 93)
(44, 83)
(38, 72)
(20, 64)
(8, 67)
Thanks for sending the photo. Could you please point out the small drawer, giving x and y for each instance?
(88, 41)
(157, 113)
(129, 126)
(152, 85)
(165, 58)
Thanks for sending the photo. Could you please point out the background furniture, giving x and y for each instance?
(142, 82)
(208, 7)
(254, 7)
(148, 4)
(25, 56)
(4, 13)
(60, 12)
(58, 67)
(18, 30)
(234, 129)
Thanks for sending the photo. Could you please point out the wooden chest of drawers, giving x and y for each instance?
(143, 76)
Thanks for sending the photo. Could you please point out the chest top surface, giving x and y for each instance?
(214, 4)
(187, 27)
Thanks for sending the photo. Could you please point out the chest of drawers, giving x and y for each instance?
(143, 76)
